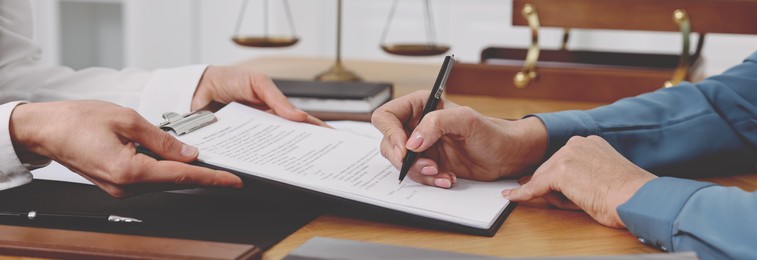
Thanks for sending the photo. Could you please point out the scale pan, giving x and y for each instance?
(415, 49)
(265, 41)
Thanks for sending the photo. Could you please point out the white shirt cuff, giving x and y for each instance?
(13, 173)
(170, 90)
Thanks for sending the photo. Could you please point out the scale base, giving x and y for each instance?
(338, 73)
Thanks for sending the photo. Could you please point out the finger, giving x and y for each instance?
(460, 121)
(443, 180)
(406, 109)
(426, 171)
(135, 128)
(149, 170)
(538, 186)
(273, 98)
(315, 121)
(388, 119)
(392, 152)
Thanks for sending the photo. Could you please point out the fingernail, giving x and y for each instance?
(442, 183)
(429, 170)
(415, 142)
(454, 179)
(506, 193)
(188, 150)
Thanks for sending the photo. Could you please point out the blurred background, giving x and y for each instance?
(154, 34)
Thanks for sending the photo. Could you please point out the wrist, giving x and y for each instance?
(533, 137)
(24, 133)
(524, 145)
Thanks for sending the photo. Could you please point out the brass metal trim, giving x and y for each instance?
(528, 72)
(682, 19)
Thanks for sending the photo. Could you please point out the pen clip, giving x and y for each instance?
(187, 123)
(445, 75)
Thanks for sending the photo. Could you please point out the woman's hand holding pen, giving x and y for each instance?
(457, 141)
(98, 141)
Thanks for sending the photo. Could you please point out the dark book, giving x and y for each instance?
(336, 100)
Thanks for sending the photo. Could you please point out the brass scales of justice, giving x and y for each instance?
(338, 72)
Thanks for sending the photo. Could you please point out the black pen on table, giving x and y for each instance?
(431, 104)
(68, 217)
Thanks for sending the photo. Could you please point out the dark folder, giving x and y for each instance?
(257, 215)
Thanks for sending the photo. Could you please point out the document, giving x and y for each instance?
(338, 163)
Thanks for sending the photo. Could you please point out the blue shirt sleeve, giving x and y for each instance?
(690, 130)
(684, 215)
(687, 130)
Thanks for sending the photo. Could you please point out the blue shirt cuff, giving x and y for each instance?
(651, 212)
(563, 125)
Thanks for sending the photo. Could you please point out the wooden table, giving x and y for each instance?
(532, 229)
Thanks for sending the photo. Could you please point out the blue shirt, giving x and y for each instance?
(704, 129)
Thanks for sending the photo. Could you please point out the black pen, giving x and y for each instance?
(67, 217)
(431, 104)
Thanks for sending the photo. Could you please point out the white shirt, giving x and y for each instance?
(22, 78)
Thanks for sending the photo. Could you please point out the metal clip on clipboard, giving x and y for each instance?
(187, 123)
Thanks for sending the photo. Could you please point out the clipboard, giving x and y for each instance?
(187, 123)
(345, 207)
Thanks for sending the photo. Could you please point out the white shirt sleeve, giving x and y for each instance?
(23, 77)
(12, 172)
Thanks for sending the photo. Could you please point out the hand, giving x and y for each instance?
(227, 84)
(98, 141)
(588, 174)
(457, 141)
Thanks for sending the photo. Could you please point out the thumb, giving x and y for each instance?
(279, 104)
(531, 190)
(292, 113)
(286, 110)
(159, 142)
